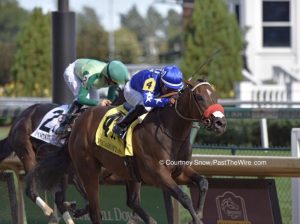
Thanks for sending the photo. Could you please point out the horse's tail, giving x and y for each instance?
(5, 151)
(52, 165)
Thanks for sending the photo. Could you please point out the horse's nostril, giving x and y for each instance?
(220, 123)
(207, 122)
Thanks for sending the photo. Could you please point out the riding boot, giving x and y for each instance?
(63, 128)
(122, 126)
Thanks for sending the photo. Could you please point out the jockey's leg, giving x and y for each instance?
(74, 108)
(121, 127)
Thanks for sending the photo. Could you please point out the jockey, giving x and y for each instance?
(143, 91)
(83, 75)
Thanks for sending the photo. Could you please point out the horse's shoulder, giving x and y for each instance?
(100, 109)
(41, 106)
(91, 112)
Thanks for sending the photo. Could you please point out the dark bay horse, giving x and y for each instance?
(19, 140)
(28, 149)
(162, 136)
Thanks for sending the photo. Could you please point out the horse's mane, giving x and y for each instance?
(120, 99)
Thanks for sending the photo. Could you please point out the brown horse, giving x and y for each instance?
(163, 136)
(28, 149)
(19, 140)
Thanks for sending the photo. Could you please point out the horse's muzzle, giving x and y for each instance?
(218, 124)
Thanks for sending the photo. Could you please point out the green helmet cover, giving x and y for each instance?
(117, 71)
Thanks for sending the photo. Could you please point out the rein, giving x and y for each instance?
(192, 90)
(169, 94)
(207, 113)
(183, 117)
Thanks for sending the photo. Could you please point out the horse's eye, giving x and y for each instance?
(199, 97)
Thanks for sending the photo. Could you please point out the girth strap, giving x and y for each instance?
(131, 164)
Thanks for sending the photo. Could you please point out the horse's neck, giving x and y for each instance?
(173, 125)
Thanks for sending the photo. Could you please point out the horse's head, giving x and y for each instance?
(197, 101)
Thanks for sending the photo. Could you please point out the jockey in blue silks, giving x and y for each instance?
(142, 92)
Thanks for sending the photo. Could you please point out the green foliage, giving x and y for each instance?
(127, 47)
(212, 27)
(174, 31)
(154, 23)
(12, 18)
(280, 131)
(92, 40)
(171, 51)
(246, 132)
(32, 68)
(134, 22)
(7, 51)
(155, 33)
(239, 132)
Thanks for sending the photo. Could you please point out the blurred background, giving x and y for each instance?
(250, 48)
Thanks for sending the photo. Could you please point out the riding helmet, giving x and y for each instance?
(117, 72)
(171, 76)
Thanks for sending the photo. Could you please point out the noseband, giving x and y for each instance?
(205, 115)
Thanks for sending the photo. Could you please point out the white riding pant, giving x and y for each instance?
(72, 80)
(134, 97)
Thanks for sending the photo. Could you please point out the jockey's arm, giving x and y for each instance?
(83, 97)
(86, 86)
(151, 101)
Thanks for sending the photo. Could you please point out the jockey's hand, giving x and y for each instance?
(173, 99)
(105, 102)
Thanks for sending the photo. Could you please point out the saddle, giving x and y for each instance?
(71, 121)
(50, 122)
(107, 139)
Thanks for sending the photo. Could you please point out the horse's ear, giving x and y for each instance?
(188, 82)
(203, 79)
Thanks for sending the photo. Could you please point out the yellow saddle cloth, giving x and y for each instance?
(105, 137)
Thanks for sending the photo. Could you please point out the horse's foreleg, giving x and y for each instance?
(60, 197)
(78, 212)
(169, 207)
(164, 180)
(32, 193)
(192, 177)
(88, 170)
(133, 189)
(30, 189)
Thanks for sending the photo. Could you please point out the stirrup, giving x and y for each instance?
(63, 130)
(120, 132)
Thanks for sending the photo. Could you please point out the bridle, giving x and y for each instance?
(205, 115)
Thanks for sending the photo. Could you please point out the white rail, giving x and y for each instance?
(295, 143)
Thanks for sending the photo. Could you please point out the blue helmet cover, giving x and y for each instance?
(171, 76)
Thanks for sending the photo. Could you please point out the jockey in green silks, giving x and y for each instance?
(83, 75)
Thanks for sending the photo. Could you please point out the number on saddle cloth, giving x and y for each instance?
(50, 122)
(117, 117)
(46, 131)
(110, 119)
(107, 140)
